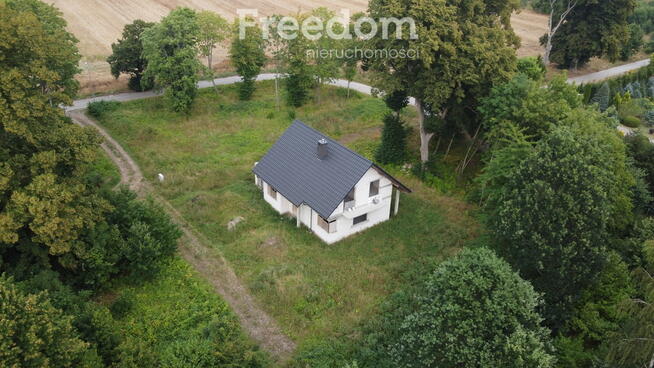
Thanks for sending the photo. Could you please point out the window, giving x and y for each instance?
(349, 200)
(360, 219)
(259, 182)
(272, 192)
(328, 226)
(374, 188)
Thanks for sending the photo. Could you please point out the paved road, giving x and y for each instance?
(130, 96)
(609, 73)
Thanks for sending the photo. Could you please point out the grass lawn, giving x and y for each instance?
(313, 290)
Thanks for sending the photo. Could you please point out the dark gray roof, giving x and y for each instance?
(293, 168)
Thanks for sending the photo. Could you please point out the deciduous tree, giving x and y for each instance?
(127, 55)
(214, 30)
(463, 48)
(248, 54)
(170, 48)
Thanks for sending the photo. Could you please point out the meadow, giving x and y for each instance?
(314, 291)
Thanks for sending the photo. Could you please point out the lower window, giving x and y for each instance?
(360, 219)
(328, 226)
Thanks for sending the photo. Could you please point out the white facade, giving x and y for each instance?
(373, 196)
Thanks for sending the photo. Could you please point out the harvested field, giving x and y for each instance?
(98, 23)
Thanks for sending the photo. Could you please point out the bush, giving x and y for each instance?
(631, 121)
(189, 352)
(98, 108)
(532, 67)
(122, 305)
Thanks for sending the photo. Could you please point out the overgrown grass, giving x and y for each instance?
(313, 290)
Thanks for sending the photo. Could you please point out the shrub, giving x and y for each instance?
(189, 352)
(532, 67)
(631, 121)
(98, 108)
(122, 305)
(649, 118)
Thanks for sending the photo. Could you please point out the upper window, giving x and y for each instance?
(374, 188)
(360, 219)
(350, 196)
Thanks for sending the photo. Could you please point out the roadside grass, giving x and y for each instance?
(313, 290)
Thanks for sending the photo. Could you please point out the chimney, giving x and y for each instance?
(322, 148)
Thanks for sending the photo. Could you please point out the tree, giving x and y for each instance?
(559, 10)
(326, 65)
(557, 207)
(276, 48)
(473, 311)
(602, 97)
(634, 43)
(299, 72)
(532, 67)
(170, 49)
(45, 204)
(393, 141)
(532, 109)
(34, 333)
(248, 55)
(633, 345)
(461, 52)
(214, 30)
(127, 55)
(593, 28)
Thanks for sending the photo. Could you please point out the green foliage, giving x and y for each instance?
(602, 97)
(248, 56)
(170, 49)
(214, 30)
(554, 212)
(532, 109)
(633, 43)
(396, 100)
(631, 121)
(462, 53)
(99, 108)
(35, 334)
(300, 77)
(472, 311)
(393, 141)
(619, 85)
(592, 29)
(640, 149)
(127, 55)
(532, 67)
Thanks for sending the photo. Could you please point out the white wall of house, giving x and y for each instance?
(344, 219)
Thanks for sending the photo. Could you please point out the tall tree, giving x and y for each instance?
(558, 12)
(557, 207)
(43, 156)
(463, 48)
(170, 48)
(214, 30)
(593, 28)
(473, 311)
(127, 55)
(248, 55)
(298, 68)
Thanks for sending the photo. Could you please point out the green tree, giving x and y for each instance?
(602, 97)
(298, 69)
(127, 55)
(634, 43)
(592, 29)
(170, 48)
(393, 141)
(248, 55)
(557, 207)
(214, 30)
(45, 203)
(463, 50)
(533, 109)
(326, 66)
(532, 67)
(34, 333)
(473, 311)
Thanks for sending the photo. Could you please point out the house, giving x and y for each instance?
(332, 190)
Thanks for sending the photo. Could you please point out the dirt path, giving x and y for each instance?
(195, 249)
